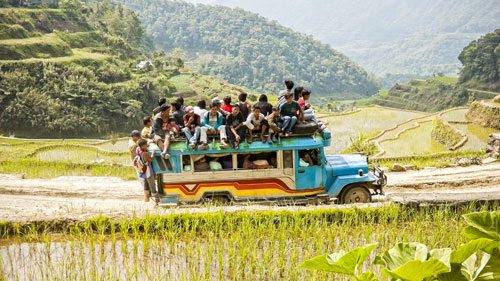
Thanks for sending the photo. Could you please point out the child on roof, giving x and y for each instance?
(173, 128)
(274, 121)
(256, 122)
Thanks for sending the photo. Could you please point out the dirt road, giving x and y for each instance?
(84, 197)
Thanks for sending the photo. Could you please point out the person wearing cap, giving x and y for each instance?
(161, 137)
(218, 102)
(192, 127)
(135, 135)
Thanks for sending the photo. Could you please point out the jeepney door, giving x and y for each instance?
(309, 177)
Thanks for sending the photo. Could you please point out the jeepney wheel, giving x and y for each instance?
(218, 199)
(356, 194)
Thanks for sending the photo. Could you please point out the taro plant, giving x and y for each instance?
(477, 260)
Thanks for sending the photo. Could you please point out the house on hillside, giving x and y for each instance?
(142, 64)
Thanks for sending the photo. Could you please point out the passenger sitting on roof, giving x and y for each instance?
(245, 107)
(218, 102)
(256, 122)
(305, 159)
(274, 121)
(201, 108)
(180, 100)
(288, 89)
(173, 128)
(161, 137)
(157, 110)
(297, 93)
(265, 107)
(212, 124)
(227, 106)
(288, 111)
(178, 113)
(192, 128)
(235, 128)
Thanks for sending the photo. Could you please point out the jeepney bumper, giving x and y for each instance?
(381, 179)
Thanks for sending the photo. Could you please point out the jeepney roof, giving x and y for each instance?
(178, 147)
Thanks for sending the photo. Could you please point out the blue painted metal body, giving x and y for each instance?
(334, 173)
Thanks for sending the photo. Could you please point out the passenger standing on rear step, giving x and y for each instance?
(212, 123)
(235, 128)
(146, 175)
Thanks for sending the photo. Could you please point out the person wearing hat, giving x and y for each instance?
(218, 102)
(192, 127)
(135, 135)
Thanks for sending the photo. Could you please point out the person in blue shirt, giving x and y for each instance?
(212, 124)
(288, 111)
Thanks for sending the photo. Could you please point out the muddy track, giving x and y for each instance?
(78, 198)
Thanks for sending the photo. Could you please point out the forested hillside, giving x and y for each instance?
(420, 37)
(68, 71)
(479, 79)
(481, 60)
(246, 49)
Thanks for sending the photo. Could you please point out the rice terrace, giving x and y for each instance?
(249, 140)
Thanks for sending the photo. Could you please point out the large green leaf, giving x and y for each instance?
(401, 254)
(463, 252)
(341, 262)
(417, 270)
(483, 225)
(491, 270)
(444, 255)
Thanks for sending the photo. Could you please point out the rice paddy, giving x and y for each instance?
(217, 246)
(369, 121)
(416, 141)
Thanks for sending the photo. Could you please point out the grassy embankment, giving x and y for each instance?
(431, 95)
(218, 246)
(48, 159)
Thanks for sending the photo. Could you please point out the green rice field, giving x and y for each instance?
(416, 141)
(457, 115)
(477, 136)
(369, 121)
(266, 245)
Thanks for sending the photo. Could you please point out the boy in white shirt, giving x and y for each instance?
(256, 122)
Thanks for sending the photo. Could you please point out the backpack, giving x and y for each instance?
(139, 164)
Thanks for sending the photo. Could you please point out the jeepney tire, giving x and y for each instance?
(355, 194)
(218, 199)
(304, 129)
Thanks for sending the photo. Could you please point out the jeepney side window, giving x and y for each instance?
(287, 159)
(186, 163)
(212, 162)
(309, 157)
(264, 160)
